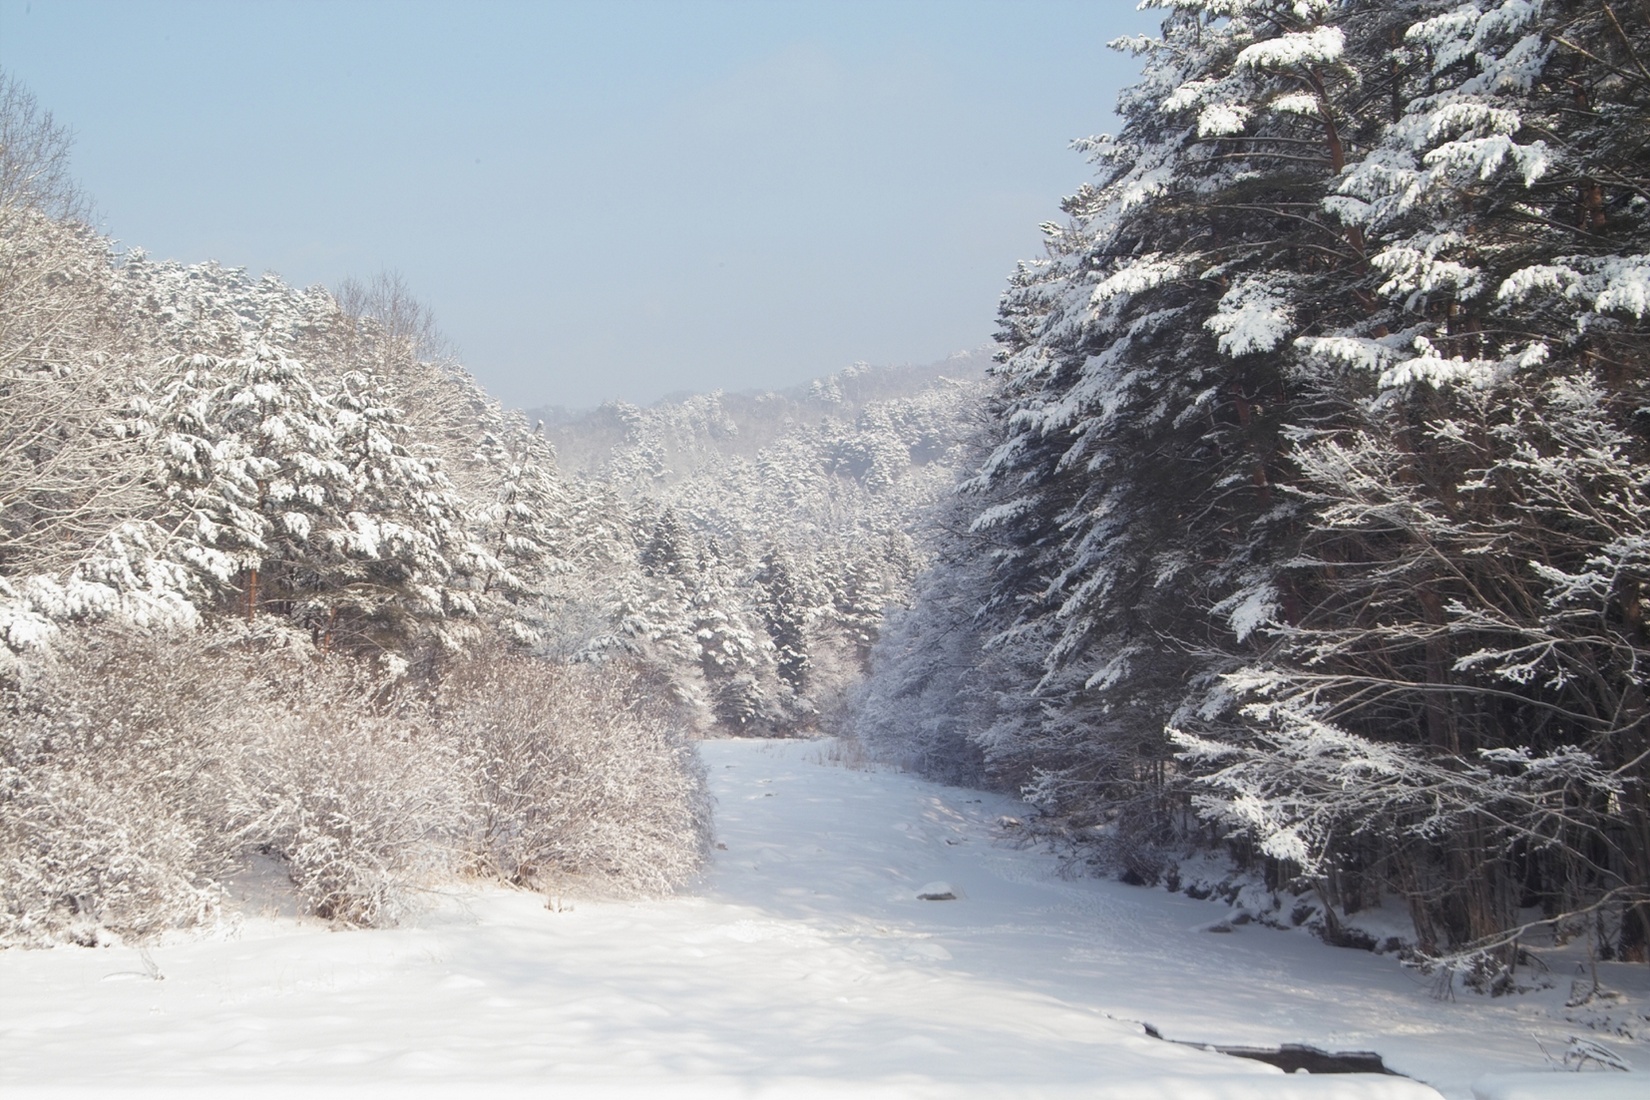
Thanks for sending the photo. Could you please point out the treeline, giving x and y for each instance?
(277, 580)
(1312, 519)
(773, 530)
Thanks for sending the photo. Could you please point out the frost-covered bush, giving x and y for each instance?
(116, 789)
(136, 773)
(577, 773)
(364, 800)
(928, 697)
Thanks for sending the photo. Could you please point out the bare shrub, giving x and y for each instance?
(82, 855)
(364, 801)
(577, 773)
(137, 772)
(115, 791)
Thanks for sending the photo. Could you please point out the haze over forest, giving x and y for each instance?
(1288, 550)
(599, 200)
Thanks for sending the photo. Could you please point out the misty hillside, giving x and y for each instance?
(686, 434)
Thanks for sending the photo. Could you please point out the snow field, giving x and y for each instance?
(805, 965)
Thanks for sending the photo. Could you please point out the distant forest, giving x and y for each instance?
(278, 580)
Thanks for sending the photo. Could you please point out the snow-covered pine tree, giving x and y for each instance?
(305, 503)
(651, 618)
(932, 696)
(786, 608)
(522, 526)
(1137, 510)
(735, 659)
(1476, 566)
(858, 599)
(378, 327)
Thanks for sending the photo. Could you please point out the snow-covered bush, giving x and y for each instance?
(929, 696)
(116, 788)
(362, 799)
(137, 772)
(576, 773)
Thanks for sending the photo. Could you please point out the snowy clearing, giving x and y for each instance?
(806, 964)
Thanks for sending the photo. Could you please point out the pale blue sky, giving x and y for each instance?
(598, 200)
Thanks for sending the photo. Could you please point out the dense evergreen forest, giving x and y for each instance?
(1300, 529)
(279, 581)
(1312, 523)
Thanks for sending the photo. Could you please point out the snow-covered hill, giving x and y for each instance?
(805, 964)
(694, 435)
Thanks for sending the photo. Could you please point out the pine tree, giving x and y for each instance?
(1322, 444)
(305, 503)
(1474, 567)
(1139, 520)
(786, 610)
(735, 659)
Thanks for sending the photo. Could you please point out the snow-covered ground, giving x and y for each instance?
(805, 965)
